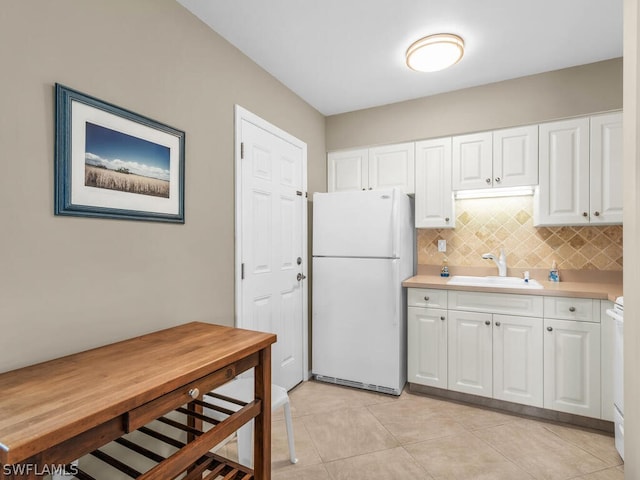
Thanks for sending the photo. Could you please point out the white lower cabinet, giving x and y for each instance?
(497, 356)
(427, 346)
(517, 359)
(500, 346)
(470, 353)
(572, 367)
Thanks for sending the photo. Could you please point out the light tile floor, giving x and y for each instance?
(343, 433)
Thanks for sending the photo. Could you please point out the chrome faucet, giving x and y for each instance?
(501, 262)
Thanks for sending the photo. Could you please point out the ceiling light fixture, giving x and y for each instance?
(435, 52)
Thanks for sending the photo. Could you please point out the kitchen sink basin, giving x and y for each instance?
(495, 282)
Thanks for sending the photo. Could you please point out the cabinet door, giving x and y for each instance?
(472, 161)
(563, 194)
(517, 359)
(347, 171)
(606, 169)
(470, 352)
(572, 367)
(515, 157)
(434, 200)
(392, 166)
(427, 346)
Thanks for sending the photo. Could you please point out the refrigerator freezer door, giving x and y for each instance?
(355, 224)
(359, 330)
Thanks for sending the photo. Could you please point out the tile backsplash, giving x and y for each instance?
(485, 224)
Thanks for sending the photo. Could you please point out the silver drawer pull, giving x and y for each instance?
(426, 299)
(194, 393)
(572, 309)
(442, 318)
(487, 322)
(550, 329)
(497, 324)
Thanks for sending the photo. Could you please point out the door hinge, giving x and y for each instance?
(241, 150)
(242, 271)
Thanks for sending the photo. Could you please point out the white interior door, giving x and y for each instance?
(271, 242)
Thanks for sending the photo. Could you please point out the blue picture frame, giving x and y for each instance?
(113, 163)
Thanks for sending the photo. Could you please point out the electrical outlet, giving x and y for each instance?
(442, 245)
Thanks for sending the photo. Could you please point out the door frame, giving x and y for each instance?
(242, 114)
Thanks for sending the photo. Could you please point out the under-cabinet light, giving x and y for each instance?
(494, 192)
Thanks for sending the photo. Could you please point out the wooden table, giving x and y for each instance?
(57, 411)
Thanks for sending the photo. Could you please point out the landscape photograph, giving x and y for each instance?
(117, 161)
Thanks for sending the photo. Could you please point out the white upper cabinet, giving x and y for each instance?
(472, 161)
(503, 158)
(606, 169)
(564, 173)
(580, 172)
(434, 204)
(515, 156)
(375, 168)
(347, 171)
(392, 166)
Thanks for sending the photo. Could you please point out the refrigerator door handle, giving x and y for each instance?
(398, 297)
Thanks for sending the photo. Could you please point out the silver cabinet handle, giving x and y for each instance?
(497, 324)
(487, 322)
(596, 213)
(488, 180)
(585, 214)
(300, 277)
(572, 309)
(498, 179)
(446, 219)
(426, 299)
(442, 318)
(549, 329)
(194, 393)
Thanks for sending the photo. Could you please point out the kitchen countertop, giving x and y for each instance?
(601, 291)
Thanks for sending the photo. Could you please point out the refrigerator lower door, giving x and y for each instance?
(359, 329)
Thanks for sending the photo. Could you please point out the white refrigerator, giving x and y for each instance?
(363, 248)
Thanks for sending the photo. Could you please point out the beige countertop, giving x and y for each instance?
(597, 290)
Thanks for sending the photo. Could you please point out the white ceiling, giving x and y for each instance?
(345, 55)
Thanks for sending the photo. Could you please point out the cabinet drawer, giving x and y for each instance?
(427, 297)
(504, 303)
(144, 414)
(567, 308)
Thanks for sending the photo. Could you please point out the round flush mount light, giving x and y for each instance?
(435, 52)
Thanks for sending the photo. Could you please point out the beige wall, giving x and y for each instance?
(563, 93)
(631, 239)
(67, 284)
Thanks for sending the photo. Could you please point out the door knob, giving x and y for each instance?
(300, 277)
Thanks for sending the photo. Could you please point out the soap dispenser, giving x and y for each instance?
(553, 273)
(444, 271)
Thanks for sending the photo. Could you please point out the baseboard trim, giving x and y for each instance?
(518, 409)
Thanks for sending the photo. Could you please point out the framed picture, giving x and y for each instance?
(110, 162)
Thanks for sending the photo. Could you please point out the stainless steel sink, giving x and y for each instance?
(495, 282)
